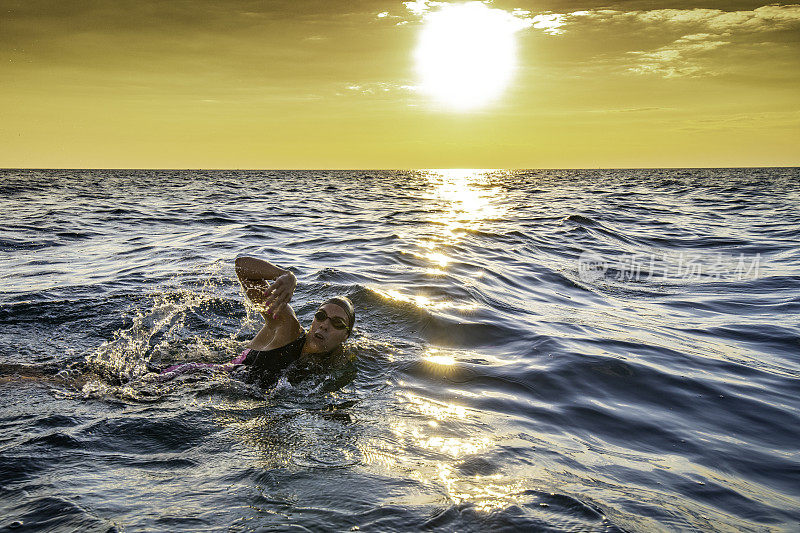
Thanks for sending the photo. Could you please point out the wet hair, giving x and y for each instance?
(345, 303)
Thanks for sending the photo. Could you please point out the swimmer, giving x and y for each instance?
(282, 340)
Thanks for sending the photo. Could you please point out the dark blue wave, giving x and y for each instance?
(500, 385)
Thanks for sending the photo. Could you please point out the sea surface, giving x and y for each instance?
(544, 350)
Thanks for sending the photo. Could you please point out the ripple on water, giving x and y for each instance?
(498, 386)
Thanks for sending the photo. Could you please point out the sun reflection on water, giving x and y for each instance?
(422, 301)
(432, 439)
(438, 410)
(438, 357)
(452, 454)
(458, 201)
(467, 198)
(486, 493)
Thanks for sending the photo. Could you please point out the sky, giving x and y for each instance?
(390, 84)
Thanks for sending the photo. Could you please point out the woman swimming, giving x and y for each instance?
(282, 340)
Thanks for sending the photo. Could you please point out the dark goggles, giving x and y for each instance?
(336, 322)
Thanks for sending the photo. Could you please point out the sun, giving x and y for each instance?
(466, 54)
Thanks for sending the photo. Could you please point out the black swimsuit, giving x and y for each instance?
(265, 365)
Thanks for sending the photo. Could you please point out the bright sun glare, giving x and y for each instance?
(466, 54)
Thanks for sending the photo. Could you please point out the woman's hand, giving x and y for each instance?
(279, 293)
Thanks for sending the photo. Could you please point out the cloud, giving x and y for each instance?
(631, 110)
(548, 22)
(701, 32)
(379, 88)
(421, 7)
(765, 18)
(745, 121)
(679, 58)
(689, 38)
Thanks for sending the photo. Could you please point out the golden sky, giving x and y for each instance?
(382, 84)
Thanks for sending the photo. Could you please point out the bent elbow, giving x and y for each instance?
(240, 267)
(240, 262)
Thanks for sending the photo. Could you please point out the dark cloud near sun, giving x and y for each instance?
(242, 41)
(565, 6)
(34, 24)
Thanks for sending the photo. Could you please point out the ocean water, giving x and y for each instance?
(574, 350)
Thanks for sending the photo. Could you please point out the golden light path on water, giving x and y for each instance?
(434, 438)
(428, 452)
(459, 201)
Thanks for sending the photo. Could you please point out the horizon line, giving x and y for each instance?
(396, 169)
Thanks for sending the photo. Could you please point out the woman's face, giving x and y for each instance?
(323, 336)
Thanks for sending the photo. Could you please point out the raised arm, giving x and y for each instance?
(255, 275)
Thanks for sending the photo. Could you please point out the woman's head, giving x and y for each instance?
(333, 322)
(346, 305)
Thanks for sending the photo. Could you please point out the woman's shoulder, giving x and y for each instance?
(284, 337)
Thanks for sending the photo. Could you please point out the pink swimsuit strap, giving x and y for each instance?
(188, 367)
(241, 358)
